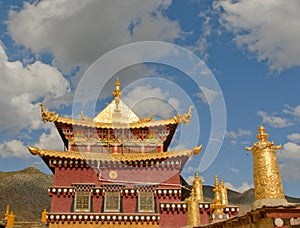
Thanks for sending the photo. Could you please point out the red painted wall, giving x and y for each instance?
(60, 203)
(129, 204)
(97, 203)
(67, 176)
(173, 219)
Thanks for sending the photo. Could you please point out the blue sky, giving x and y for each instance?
(250, 47)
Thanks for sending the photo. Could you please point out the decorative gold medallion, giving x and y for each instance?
(113, 174)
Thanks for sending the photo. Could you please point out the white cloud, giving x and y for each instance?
(290, 161)
(50, 140)
(294, 137)
(269, 29)
(293, 111)
(290, 151)
(234, 170)
(202, 44)
(290, 170)
(146, 99)
(13, 148)
(207, 95)
(78, 32)
(190, 169)
(237, 134)
(244, 187)
(274, 121)
(47, 140)
(20, 89)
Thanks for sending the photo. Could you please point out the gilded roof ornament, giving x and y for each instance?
(121, 157)
(193, 218)
(197, 186)
(118, 115)
(117, 94)
(224, 195)
(263, 142)
(48, 116)
(268, 188)
(147, 119)
(184, 118)
(197, 149)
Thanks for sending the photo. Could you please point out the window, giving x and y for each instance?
(146, 202)
(112, 202)
(82, 201)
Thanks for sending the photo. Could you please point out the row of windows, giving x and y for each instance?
(112, 201)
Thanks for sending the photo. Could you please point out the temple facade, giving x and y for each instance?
(116, 170)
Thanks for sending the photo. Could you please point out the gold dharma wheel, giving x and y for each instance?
(113, 174)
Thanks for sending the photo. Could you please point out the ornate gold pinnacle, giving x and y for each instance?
(268, 189)
(193, 210)
(217, 202)
(197, 186)
(44, 216)
(223, 190)
(117, 93)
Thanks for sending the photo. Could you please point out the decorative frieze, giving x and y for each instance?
(95, 217)
(115, 163)
(168, 192)
(183, 206)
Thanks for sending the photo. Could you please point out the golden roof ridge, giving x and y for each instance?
(122, 157)
(86, 122)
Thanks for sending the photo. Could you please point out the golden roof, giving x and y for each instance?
(116, 115)
(103, 123)
(121, 157)
(106, 115)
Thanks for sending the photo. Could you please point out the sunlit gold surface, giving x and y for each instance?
(217, 202)
(197, 149)
(48, 116)
(197, 186)
(184, 118)
(126, 114)
(116, 115)
(224, 196)
(193, 210)
(267, 180)
(33, 150)
(44, 216)
(104, 120)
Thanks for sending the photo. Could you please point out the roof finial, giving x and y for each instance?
(262, 136)
(117, 93)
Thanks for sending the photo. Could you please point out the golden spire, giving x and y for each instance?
(197, 186)
(117, 93)
(262, 136)
(193, 210)
(44, 216)
(217, 202)
(224, 196)
(10, 220)
(268, 189)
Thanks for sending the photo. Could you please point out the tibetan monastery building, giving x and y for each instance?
(116, 171)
